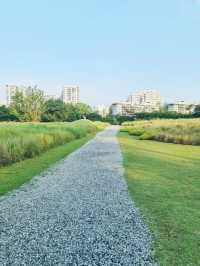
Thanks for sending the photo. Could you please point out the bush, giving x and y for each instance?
(136, 131)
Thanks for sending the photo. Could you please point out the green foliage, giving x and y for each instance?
(31, 107)
(163, 180)
(83, 110)
(28, 107)
(112, 120)
(136, 131)
(56, 110)
(5, 114)
(118, 119)
(94, 117)
(20, 141)
(161, 115)
(164, 114)
(197, 109)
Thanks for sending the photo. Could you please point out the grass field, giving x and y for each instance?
(19, 141)
(180, 131)
(20, 169)
(164, 181)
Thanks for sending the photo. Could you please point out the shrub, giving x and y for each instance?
(136, 131)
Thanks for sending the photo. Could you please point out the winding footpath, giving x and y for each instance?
(76, 213)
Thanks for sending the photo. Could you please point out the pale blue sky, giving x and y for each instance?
(110, 48)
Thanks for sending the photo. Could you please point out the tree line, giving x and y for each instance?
(32, 107)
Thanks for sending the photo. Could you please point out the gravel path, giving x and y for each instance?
(76, 213)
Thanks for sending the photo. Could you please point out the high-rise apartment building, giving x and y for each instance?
(71, 94)
(142, 101)
(145, 101)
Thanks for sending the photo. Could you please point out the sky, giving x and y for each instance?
(109, 48)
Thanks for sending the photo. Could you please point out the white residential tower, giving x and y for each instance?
(71, 94)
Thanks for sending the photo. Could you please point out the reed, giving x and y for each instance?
(181, 131)
(19, 141)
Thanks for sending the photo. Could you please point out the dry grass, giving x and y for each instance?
(181, 131)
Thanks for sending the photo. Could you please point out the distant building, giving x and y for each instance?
(70, 94)
(116, 108)
(102, 110)
(122, 108)
(145, 101)
(11, 90)
(142, 101)
(181, 107)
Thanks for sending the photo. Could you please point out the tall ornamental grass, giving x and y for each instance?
(181, 131)
(19, 141)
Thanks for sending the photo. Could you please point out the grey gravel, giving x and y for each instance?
(76, 213)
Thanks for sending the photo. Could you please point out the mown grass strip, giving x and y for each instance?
(164, 182)
(13, 176)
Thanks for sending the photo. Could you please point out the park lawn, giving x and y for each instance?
(164, 182)
(15, 175)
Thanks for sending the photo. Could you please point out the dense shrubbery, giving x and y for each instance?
(118, 120)
(6, 115)
(156, 115)
(20, 141)
(180, 131)
(56, 110)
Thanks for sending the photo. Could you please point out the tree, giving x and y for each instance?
(5, 114)
(72, 112)
(112, 120)
(17, 106)
(55, 110)
(94, 116)
(34, 104)
(83, 109)
(197, 109)
(29, 106)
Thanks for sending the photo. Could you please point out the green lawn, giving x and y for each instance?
(13, 176)
(164, 181)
